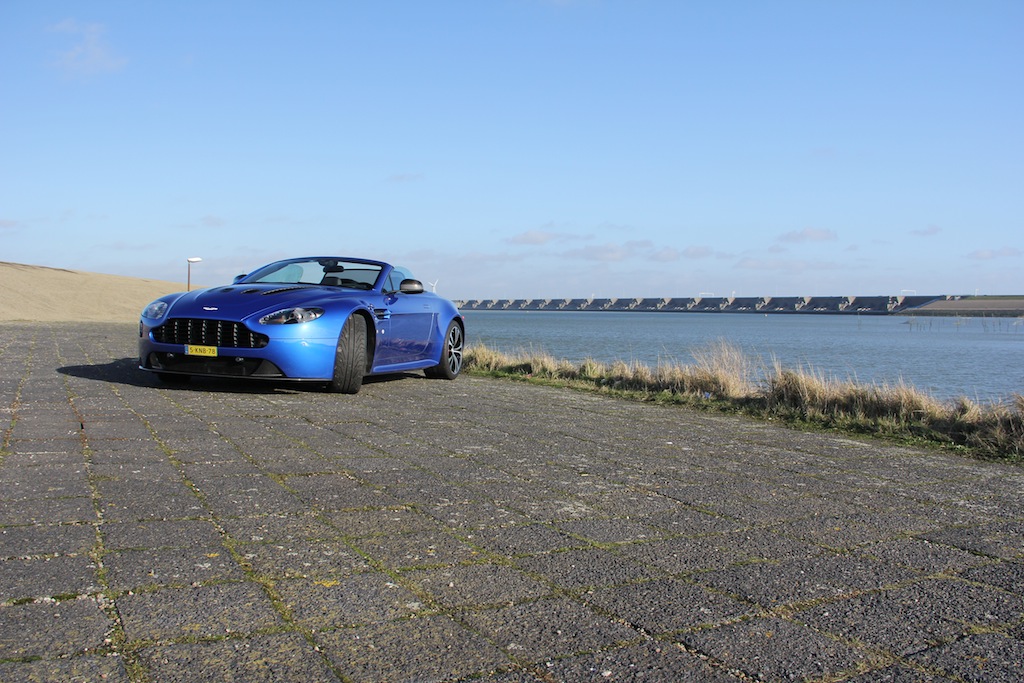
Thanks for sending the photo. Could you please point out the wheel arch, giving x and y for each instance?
(371, 337)
(443, 323)
(461, 322)
(450, 360)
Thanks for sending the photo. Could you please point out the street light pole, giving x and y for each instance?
(194, 259)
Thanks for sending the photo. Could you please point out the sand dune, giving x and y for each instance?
(41, 294)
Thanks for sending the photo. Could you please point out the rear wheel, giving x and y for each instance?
(451, 354)
(350, 357)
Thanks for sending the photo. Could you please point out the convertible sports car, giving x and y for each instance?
(318, 319)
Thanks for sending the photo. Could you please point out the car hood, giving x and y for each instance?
(236, 302)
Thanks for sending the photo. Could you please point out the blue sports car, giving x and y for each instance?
(319, 319)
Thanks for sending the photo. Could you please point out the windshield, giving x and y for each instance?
(323, 271)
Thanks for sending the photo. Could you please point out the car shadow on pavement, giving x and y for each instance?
(126, 371)
(121, 371)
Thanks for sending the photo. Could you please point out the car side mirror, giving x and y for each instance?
(411, 287)
(238, 278)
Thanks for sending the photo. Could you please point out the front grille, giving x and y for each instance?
(202, 332)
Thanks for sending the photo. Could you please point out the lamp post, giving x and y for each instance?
(194, 259)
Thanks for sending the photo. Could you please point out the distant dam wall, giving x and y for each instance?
(864, 305)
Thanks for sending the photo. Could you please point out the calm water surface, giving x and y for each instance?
(981, 358)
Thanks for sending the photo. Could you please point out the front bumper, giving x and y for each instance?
(280, 358)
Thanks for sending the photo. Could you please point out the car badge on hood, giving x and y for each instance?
(210, 308)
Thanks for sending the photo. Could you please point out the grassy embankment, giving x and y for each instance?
(723, 378)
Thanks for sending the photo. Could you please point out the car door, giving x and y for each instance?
(407, 322)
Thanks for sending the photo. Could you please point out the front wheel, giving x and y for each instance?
(350, 357)
(451, 354)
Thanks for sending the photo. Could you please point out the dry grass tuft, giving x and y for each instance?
(724, 376)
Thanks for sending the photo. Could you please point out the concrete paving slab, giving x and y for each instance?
(431, 648)
(44, 481)
(301, 559)
(204, 612)
(910, 619)
(643, 662)
(582, 568)
(37, 539)
(85, 668)
(138, 570)
(276, 658)
(772, 648)
(550, 628)
(44, 577)
(46, 510)
(478, 584)
(474, 530)
(977, 658)
(327, 604)
(663, 606)
(140, 535)
(52, 629)
(417, 550)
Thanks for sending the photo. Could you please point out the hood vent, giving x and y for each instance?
(278, 290)
(281, 290)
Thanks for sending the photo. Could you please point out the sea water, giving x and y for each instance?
(978, 358)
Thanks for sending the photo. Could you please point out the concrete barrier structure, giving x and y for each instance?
(744, 304)
(861, 305)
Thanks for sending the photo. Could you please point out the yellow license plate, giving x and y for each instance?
(191, 350)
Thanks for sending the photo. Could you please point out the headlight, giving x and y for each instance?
(155, 310)
(289, 316)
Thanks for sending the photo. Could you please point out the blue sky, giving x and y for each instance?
(523, 148)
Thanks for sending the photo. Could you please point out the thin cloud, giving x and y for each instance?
(601, 252)
(610, 253)
(665, 255)
(616, 227)
(536, 238)
(808, 235)
(473, 259)
(789, 265)
(750, 263)
(90, 54)
(927, 232)
(9, 225)
(989, 254)
(697, 252)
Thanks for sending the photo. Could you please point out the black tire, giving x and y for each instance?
(350, 357)
(451, 354)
